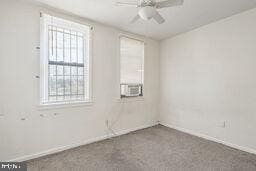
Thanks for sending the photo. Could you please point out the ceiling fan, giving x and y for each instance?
(148, 9)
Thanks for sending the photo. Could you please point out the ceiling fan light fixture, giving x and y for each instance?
(146, 13)
(148, 9)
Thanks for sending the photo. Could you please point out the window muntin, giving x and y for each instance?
(131, 63)
(65, 63)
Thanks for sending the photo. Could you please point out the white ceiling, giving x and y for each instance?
(192, 14)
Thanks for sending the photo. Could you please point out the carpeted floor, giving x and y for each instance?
(155, 148)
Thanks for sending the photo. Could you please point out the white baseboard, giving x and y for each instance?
(207, 137)
(104, 137)
(89, 141)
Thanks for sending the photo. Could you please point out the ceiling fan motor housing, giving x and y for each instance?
(147, 12)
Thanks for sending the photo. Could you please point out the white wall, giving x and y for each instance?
(208, 77)
(19, 89)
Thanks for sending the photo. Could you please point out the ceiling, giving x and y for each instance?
(193, 14)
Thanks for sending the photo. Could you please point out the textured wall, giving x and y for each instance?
(208, 78)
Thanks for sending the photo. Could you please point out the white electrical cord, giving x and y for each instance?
(110, 124)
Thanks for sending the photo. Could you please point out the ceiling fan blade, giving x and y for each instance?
(126, 4)
(135, 19)
(159, 19)
(169, 3)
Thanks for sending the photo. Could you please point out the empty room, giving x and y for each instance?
(129, 85)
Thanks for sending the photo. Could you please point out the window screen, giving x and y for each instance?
(66, 61)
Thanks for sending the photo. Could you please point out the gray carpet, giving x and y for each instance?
(155, 148)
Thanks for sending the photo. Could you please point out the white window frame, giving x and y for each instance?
(46, 20)
(127, 99)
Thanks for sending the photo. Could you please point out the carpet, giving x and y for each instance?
(155, 148)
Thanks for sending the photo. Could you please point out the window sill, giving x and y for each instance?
(130, 99)
(60, 105)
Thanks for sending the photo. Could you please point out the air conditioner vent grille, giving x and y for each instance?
(131, 90)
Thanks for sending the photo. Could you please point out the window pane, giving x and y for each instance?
(74, 85)
(73, 32)
(80, 85)
(52, 43)
(67, 47)
(67, 70)
(50, 37)
(67, 98)
(60, 98)
(67, 85)
(52, 70)
(73, 97)
(52, 99)
(60, 30)
(67, 31)
(73, 71)
(60, 54)
(80, 34)
(80, 71)
(80, 97)
(60, 46)
(73, 49)
(52, 85)
(60, 85)
(80, 50)
(73, 55)
(59, 70)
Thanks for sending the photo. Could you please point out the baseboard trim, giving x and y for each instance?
(207, 137)
(89, 141)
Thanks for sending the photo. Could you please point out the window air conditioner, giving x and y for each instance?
(131, 90)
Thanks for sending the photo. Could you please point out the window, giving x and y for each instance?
(65, 61)
(131, 67)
